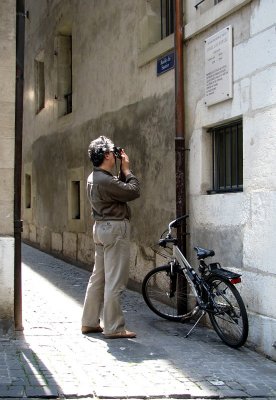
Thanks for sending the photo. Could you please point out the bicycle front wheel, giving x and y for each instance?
(162, 294)
(230, 317)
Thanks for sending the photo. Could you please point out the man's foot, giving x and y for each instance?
(121, 335)
(91, 329)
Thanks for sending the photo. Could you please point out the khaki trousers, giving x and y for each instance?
(109, 277)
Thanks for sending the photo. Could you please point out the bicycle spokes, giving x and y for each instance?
(228, 317)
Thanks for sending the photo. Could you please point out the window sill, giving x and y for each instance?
(224, 191)
(76, 225)
(156, 50)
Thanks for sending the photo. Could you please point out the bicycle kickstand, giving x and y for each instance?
(197, 321)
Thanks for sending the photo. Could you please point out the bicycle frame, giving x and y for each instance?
(192, 277)
(187, 269)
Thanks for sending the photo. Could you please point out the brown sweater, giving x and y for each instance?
(108, 194)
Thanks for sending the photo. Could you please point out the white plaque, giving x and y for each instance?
(218, 66)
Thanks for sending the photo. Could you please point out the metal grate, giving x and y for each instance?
(167, 17)
(227, 152)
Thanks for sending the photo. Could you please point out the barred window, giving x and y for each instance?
(167, 17)
(227, 156)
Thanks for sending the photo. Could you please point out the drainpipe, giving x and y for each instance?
(180, 122)
(20, 37)
(180, 145)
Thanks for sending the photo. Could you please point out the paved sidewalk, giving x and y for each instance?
(51, 358)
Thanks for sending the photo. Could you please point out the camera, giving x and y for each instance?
(117, 152)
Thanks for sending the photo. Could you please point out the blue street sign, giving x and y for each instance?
(165, 63)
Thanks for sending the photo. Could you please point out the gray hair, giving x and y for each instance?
(98, 148)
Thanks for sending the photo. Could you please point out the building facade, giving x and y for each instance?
(7, 134)
(106, 67)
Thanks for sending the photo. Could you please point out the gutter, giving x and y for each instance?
(180, 167)
(180, 161)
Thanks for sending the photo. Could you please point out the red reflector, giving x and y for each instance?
(235, 280)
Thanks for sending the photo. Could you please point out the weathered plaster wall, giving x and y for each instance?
(111, 96)
(7, 102)
(240, 226)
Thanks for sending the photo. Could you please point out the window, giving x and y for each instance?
(28, 191)
(227, 153)
(64, 74)
(167, 17)
(156, 28)
(75, 200)
(217, 1)
(39, 85)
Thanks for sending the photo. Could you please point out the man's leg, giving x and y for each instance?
(116, 259)
(95, 291)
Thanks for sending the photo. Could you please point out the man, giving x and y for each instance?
(108, 195)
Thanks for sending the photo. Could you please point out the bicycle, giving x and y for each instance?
(211, 291)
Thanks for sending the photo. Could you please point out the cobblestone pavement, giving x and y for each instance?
(51, 358)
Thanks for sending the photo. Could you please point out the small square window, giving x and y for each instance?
(28, 191)
(75, 200)
(227, 156)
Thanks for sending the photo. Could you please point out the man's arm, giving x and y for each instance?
(124, 191)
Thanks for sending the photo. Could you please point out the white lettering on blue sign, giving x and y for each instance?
(165, 63)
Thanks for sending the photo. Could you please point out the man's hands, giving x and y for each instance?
(125, 163)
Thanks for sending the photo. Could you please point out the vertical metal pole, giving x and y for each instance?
(180, 144)
(20, 38)
(179, 117)
(161, 11)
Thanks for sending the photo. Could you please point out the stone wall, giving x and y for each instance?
(240, 227)
(7, 104)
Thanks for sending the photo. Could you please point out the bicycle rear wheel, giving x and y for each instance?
(160, 289)
(230, 321)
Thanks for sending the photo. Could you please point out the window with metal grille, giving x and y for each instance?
(167, 17)
(227, 154)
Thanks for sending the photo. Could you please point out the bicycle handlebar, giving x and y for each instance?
(173, 224)
(176, 222)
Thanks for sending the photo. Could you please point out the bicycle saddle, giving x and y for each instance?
(203, 253)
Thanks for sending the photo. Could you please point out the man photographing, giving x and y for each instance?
(108, 196)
